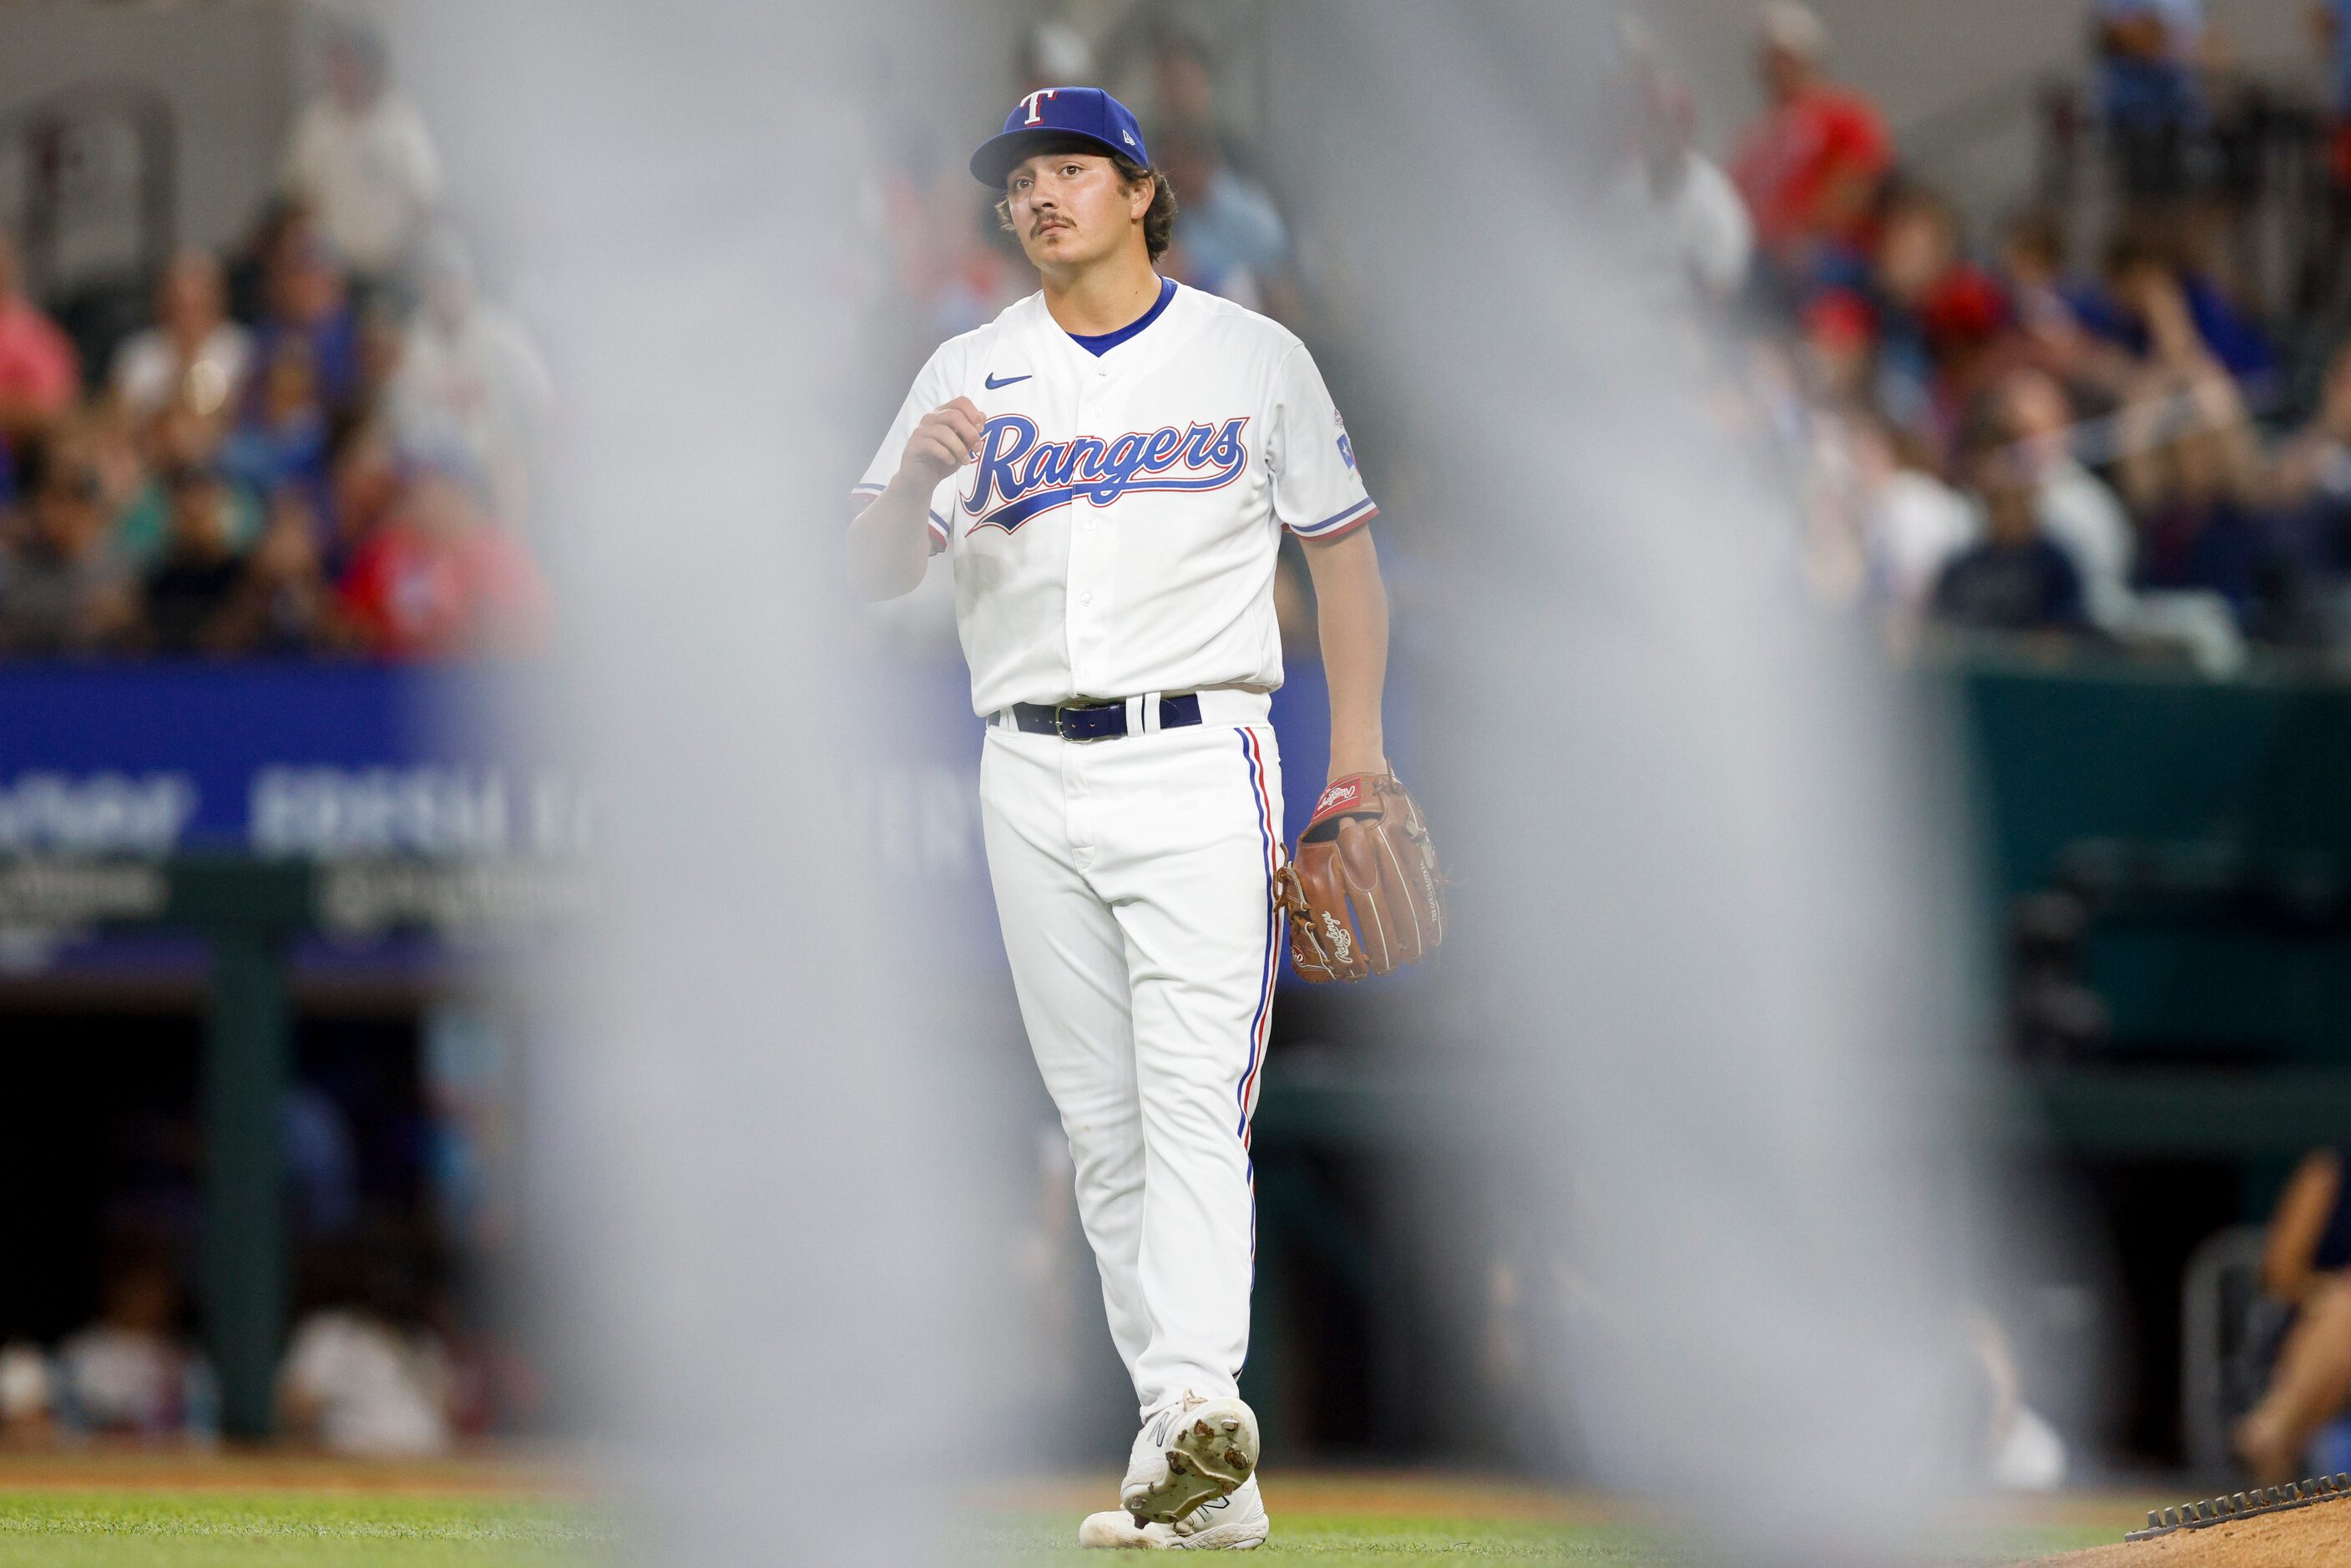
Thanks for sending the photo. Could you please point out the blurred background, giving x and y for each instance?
(2036, 313)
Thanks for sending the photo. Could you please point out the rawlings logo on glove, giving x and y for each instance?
(1363, 892)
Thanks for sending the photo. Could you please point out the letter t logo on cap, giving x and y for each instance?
(1035, 102)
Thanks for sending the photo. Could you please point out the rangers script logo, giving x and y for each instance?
(1020, 476)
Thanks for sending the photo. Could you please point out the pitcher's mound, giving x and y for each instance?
(2299, 1538)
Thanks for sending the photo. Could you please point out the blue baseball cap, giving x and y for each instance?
(1087, 113)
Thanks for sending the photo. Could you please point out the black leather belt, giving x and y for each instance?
(1099, 721)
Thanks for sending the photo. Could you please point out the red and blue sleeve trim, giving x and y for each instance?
(1340, 524)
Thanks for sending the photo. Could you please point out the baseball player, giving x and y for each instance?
(1108, 466)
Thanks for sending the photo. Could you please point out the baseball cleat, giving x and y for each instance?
(1235, 1523)
(1190, 1452)
(1118, 1531)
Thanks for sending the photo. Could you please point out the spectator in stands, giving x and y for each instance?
(132, 1374)
(107, 437)
(362, 157)
(1809, 169)
(194, 354)
(362, 1374)
(365, 486)
(190, 592)
(1690, 200)
(1936, 315)
(249, 264)
(287, 602)
(282, 440)
(2015, 1447)
(470, 381)
(2077, 510)
(178, 438)
(40, 374)
(27, 1394)
(1183, 80)
(951, 266)
(2174, 319)
(2191, 470)
(1838, 337)
(2015, 579)
(1230, 236)
(2330, 23)
(2148, 91)
(383, 334)
(64, 587)
(2066, 322)
(2312, 469)
(1912, 524)
(309, 312)
(2306, 1264)
(436, 578)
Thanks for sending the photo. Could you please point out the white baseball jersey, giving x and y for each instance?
(1115, 537)
(1117, 534)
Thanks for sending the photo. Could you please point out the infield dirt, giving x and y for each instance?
(2303, 1538)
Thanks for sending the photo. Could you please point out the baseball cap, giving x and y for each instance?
(1087, 113)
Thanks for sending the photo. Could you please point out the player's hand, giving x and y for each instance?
(946, 439)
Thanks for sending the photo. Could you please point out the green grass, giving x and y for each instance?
(281, 1530)
(1336, 1542)
(162, 1528)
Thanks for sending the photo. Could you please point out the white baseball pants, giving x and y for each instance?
(1134, 879)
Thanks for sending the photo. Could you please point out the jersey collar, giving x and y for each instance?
(1100, 343)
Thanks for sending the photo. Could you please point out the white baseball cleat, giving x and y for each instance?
(1118, 1531)
(1192, 1451)
(1234, 1523)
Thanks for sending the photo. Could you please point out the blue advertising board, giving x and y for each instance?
(342, 761)
(270, 758)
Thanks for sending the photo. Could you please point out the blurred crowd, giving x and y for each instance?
(323, 442)
(319, 444)
(1994, 423)
(2009, 432)
(375, 1368)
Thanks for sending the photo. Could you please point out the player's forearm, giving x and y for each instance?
(889, 544)
(1351, 617)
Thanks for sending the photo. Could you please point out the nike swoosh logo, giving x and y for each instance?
(993, 383)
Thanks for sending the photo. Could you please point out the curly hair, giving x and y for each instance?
(1158, 220)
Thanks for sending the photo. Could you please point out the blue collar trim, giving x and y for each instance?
(1102, 343)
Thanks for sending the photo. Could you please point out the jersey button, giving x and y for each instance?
(1085, 599)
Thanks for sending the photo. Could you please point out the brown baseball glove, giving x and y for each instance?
(1362, 892)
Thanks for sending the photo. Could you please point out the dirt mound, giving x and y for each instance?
(2300, 1538)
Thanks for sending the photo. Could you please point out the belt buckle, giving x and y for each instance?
(1061, 727)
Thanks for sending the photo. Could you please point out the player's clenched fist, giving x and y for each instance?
(946, 439)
